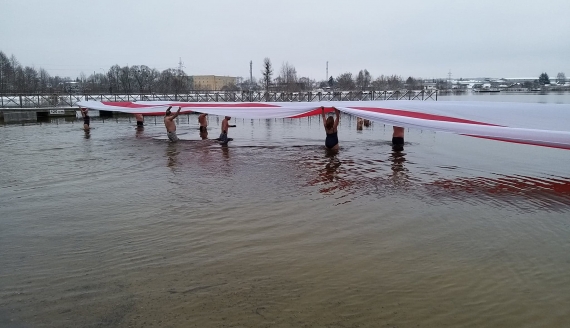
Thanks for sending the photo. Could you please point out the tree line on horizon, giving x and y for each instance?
(18, 79)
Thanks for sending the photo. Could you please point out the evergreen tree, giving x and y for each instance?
(267, 73)
(543, 79)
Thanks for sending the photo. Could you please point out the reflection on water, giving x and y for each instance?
(273, 230)
(139, 131)
(358, 177)
(331, 168)
(399, 170)
(329, 175)
(172, 154)
(226, 151)
(532, 193)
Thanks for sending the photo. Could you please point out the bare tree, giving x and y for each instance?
(5, 72)
(125, 79)
(380, 83)
(55, 83)
(19, 79)
(137, 74)
(172, 81)
(363, 80)
(44, 77)
(180, 84)
(288, 77)
(16, 76)
(152, 79)
(114, 76)
(306, 83)
(345, 82)
(395, 82)
(165, 80)
(561, 78)
(31, 80)
(142, 77)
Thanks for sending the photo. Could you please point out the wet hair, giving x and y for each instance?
(168, 112)
(329, 123)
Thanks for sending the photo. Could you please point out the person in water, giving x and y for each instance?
(330, 124)
(223, 139)
(170, 125)
(140, 121)
(203, 120)
(398, 139)
(86, 118)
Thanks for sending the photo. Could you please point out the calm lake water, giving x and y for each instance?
(121, 228)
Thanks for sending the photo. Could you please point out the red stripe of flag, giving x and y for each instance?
(423, 116)
(128, 104)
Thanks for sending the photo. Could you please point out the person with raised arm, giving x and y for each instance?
(331, 125)
(170, 125)
(86, 118)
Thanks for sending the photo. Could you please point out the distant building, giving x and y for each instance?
(212, 82)
(71, 87)
(429, 84)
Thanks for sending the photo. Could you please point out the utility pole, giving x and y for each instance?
(250, 73)
(180, 66)
(178, 81)
(327, 77)
(181, 69)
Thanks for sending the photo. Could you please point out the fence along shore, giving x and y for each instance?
(22, 107)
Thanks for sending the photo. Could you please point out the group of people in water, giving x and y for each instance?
(330, 124)
(331, 128)
(202, 120)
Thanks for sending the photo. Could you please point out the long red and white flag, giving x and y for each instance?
(527, 123)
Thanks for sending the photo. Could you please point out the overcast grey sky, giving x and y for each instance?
(476, 38)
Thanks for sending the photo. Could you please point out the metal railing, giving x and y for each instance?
(70, 100)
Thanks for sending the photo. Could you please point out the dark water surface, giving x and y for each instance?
(123, 229)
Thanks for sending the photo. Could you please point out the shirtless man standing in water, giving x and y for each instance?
(203, 120)
(170, 125)
(140, 121)
(398, 139)
(223, 139)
